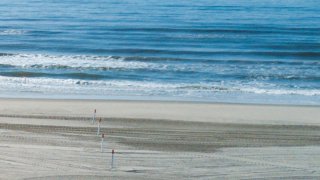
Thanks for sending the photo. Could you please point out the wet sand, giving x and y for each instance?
(55, 139)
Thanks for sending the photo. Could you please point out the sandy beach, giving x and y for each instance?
(55, 139)
(170, 90)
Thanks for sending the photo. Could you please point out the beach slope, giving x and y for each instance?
(56, 139)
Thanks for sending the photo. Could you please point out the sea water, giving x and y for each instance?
(252, 51)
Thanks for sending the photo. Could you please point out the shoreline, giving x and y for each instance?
(157, 101)
(217, 98)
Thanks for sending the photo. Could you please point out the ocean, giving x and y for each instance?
(235, 51)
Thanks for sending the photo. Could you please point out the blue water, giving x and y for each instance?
(200, 50)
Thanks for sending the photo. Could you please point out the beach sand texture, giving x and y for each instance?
(55, 139)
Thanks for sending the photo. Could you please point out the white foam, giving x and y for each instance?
(131, 87)
(12, 32)
(111, 62)
(45, 61)
(101, 63)
(28, 60)
(126, 87)
(109, 87)
(304, 92)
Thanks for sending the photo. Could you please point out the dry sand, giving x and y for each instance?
(54, 139)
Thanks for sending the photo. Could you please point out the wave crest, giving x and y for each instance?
(12, 32)
(124, 87)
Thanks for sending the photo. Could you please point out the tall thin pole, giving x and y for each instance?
(112, 159)
(98, 130)
(94, 116)
(102, 140)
